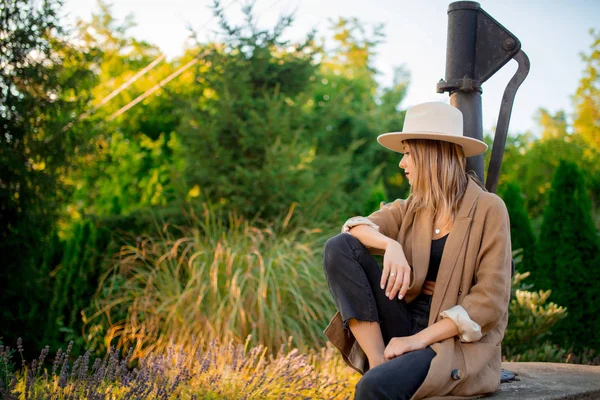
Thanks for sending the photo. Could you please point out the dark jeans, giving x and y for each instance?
(354, 277)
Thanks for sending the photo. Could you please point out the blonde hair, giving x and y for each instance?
(441, 178)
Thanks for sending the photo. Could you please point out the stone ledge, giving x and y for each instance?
(548, 381)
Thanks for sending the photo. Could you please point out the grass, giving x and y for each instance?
(214, 280)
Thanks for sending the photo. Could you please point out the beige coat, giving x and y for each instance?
(475, 273)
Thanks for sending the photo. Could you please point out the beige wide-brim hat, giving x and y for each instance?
(434, 121)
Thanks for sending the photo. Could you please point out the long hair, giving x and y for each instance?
(441, 178)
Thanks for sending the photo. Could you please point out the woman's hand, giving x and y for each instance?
(400, 345)
(396, 268)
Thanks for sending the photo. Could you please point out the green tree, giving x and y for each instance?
(43, 83)
(587, 119)
(521, 233)
(538, 166)
(122, 168)
(127, 162)
(247, 143)
(568, 259)
(350, 107)
(531, 162)
(587, 97)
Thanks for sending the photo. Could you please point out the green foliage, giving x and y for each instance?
(156, 157)
(531, 162)
(127, 163)
(81, 259)
(531, 321)
(128, 175)
(349, 107)
(533, 170)
(43, 82)
(587, 97)
(246, 145)
(311, 141)
(568, 259)
(73, 280)
(541, 352)
(521, 233)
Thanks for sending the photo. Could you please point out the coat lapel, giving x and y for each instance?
(458, 235)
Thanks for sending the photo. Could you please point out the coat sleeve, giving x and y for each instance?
(386, 220)
(489, 297)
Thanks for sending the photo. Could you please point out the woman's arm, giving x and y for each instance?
(378, 233)
(394, 260)
(371, 237)
(441, 330)
(437, 332)
(386, 220)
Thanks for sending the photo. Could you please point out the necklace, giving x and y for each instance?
(439, 229)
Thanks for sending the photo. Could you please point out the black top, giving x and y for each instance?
(437, 248)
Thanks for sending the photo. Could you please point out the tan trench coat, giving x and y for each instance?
(475, 272)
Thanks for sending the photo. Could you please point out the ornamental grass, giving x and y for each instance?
(217, 279)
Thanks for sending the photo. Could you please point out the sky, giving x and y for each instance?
(553, 33)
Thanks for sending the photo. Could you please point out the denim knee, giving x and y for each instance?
(370, 387)
(334, 246)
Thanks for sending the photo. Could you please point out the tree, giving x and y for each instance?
(521, 233)
(43, 80)
(568, 260)
(126, 164)
(248, 144)
(350, 107)
(531, 162)
(540, 162)
(587, 97)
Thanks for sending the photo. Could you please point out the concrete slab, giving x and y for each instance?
(548, 381)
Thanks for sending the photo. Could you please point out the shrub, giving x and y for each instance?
(530, 320)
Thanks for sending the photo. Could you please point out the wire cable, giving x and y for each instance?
(156, 87)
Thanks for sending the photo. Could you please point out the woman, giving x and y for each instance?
(431, 322)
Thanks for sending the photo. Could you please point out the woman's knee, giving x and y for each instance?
(399, 378)
(370, 386)
(334, 247)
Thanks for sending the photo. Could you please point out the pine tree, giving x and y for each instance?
(568, 259)
(521, 233)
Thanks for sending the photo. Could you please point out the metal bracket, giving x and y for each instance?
(465, 84)
(493, 172)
